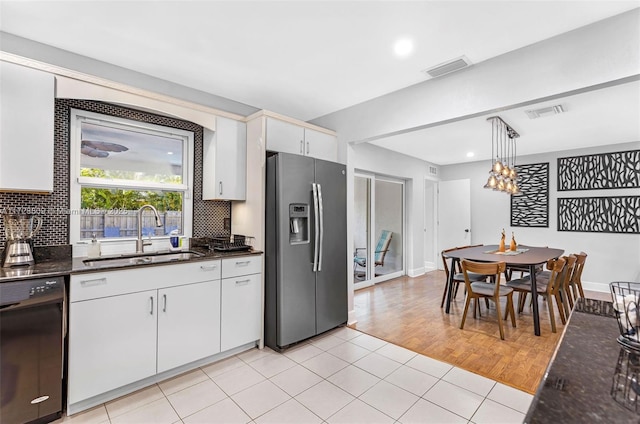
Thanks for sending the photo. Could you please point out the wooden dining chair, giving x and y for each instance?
(477, 290)
(563, 285)
(548, 289)
(522, 269)
(575, 283)
(458, 277)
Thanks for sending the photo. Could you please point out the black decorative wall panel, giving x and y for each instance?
(531, 209)
(600, 171)
(615, 214)
(208, 216)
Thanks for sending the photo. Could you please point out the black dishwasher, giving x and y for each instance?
(32, 322)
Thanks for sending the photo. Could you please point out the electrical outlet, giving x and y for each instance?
(227, 223)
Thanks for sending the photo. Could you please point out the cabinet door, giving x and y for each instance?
(284, 137)
(112, 342)
(241, 311)
(224, 162)
(26, 129)
(188, 323)
(321, 145)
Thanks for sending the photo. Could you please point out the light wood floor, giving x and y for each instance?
(406, 311)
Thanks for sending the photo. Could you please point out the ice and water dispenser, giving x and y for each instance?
(298, 223)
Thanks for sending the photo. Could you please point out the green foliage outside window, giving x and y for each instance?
(125, 199)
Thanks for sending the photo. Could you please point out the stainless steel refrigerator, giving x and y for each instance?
(305, 248)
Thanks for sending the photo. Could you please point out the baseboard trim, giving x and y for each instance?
(430, 266)
(351, 319)
(598, 287)
(416, 272)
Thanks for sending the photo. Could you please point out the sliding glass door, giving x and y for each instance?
(378, 229)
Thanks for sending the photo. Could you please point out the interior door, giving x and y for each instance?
(454, 214)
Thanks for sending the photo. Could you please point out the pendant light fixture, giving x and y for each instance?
(503, 175)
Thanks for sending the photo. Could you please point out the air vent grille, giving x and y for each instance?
(448, 67)
(544, 111)
(433, 170)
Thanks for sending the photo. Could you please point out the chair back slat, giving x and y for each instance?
(493, 269)
(557, 268)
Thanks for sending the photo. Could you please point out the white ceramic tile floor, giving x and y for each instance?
(342, 377)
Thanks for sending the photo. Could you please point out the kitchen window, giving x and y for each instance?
(119, 165)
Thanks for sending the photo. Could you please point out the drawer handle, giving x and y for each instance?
(242, 263)
(208, 267)
(93, 283)
(242, 282)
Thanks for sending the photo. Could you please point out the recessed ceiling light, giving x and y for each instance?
(169, 153)
(403, 47)
(470, 154)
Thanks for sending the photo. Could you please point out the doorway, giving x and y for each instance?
(379, 229)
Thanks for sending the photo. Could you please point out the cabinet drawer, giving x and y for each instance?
(93, 285)
(241, 265)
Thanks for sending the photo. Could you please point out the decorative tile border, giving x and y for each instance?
(615, 214)
(531, 209)
(599, 171)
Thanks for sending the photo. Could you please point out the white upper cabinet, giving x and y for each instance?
(321, 145)
(291, 138)
(224, 161)
(26, 129)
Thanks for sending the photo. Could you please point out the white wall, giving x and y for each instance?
(612, 257)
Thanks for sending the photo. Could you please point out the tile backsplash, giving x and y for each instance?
(208, 216)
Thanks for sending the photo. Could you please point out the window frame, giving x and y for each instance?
(77, 182)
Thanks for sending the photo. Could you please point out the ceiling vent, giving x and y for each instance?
(448, 67)
(544, 111)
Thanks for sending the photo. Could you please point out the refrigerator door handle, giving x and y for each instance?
(317, 224)
(321, 213)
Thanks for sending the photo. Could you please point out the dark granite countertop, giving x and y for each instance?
(577, 386)
(57, 260)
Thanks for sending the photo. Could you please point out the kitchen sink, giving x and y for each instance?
(142, 258)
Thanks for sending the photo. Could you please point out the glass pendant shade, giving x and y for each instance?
(503, 176)
(492, 182)
(509, 187)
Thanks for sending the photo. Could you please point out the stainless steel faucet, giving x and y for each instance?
(140, 244)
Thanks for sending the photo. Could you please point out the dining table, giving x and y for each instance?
(524, 256)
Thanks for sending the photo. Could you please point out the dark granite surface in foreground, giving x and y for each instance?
(53, 261)
(578, 382)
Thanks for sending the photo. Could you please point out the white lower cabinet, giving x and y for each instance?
(241, 301)
(188, 323)
(112, 342)
(241, 310)
(129, 325)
